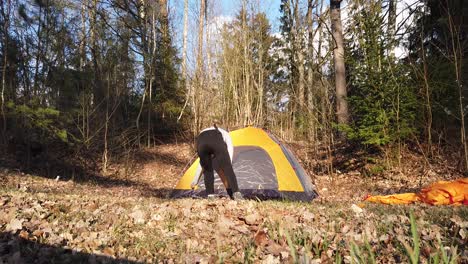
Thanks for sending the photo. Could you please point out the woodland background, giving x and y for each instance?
(85, 84)
(100, 101)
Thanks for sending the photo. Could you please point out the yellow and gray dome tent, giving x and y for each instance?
(264, 167)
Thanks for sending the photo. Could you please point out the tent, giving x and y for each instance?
(265, 169)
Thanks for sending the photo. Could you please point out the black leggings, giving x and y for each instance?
(213, 154)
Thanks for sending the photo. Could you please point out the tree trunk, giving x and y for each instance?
(105, 156)
(260, 75)
(427, 96)
(145, 50)
(246, 69)
(6, 24)
(198, 76)
(38, 54)
(391, 27)
(83, 35)
(99, 94)
(298, 28)
(310, 71)
(457, 53)
(184, 59)
(208, 52)
(184, 45)
(340, 74)
(324, 89)
(150, 60)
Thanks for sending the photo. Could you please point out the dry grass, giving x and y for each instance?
(128, 219)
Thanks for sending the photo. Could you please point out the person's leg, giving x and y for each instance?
(205, 152)
(225, 168)
(217, 167)
(223, 177)
(229, 191)
(208, 174)
(230, 175)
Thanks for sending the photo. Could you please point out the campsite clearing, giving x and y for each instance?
(113, 218)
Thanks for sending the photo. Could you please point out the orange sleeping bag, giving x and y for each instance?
(438, 193)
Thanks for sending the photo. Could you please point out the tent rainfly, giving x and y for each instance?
(264, 167)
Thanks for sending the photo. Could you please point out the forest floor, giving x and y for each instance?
(127, 218)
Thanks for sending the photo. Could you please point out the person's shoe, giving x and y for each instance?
(237, 196)
(212, 196)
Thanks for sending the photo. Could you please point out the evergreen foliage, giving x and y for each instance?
(381, 95)
(439, 33)
(37, 124)
(102, 74)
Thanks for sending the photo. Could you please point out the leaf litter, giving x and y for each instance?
(189, 230)
(47, 221)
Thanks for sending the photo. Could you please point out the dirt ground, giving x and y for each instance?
(125, 216)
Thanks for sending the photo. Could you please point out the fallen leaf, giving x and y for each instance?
(459, 222)
(356, 209)
(261, 238)
(345, 229)
(242, 229)
(462, 233)
(93, 235)
(55, 240)
(252, 219)
(108, 251)
(38, 233)
(274, 248)
(225, 224)
(191, 244)
(67, 236)
(284, 255)
(270, 259)
(24, 234)
(308, 216)
(138, 216)
(4, 201)
(15, 225)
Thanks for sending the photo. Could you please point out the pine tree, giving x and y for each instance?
(382, 99)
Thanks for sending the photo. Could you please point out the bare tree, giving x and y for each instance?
(427, 95)
(310, 70)
(340, 74)
(82, 46)
(246, 82)
(84, 98)
(6, 24)
(184, 59)
(99, 94)
(38, 58)
(298, 32)
(391, 27)
(457, 53)
(184, 46)
(324, 103)
(199, 80)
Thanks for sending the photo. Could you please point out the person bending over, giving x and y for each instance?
(215, 149)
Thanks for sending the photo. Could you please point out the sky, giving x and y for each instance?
(222, 11)
(225, 10)
(270, 7)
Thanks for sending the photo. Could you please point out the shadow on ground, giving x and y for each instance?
(394, 190)
(70, 170)
(14, 249)
(88, 183)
